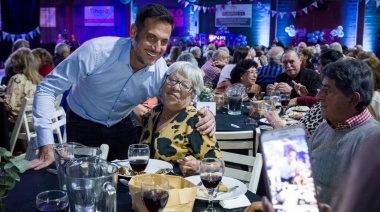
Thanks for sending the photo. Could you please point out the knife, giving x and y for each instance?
(124, 182)
(52, 171)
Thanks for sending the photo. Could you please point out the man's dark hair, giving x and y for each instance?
(352, 76)
(154, 11)
(329, 56)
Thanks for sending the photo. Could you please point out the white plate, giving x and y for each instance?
(153, 166)
(288, 121)
(303, 109)
(229, 182)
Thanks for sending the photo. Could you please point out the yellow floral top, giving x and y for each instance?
(179, 138)
(18, 88)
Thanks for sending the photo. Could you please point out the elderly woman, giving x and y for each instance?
(44, 61)
(169, 128)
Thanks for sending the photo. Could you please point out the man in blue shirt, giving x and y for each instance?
(267, 74)
(109, 77)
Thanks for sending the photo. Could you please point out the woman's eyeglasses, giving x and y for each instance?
(172, 81)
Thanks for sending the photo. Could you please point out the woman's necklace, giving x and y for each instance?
(168, 116)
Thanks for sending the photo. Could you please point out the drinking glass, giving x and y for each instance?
(285, 98)
(52, 200)
(260, 95)
(155, 193)
(251, 92)
(138, 156)
(268, 103)
(275, 96)
(211, 172)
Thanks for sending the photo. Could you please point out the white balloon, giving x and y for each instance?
(341, 34)
(287, 29)
(340, 28)
(334, 33)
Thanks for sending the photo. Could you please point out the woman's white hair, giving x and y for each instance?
(191, 72)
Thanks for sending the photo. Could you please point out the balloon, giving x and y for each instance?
(340, 28)
(125, 1)
(341, 34)
(321, 39)
(287, 29)
(334, 33)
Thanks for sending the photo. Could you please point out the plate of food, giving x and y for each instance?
(225, 190)
(286, 119)
(302, 109)
(153, 166)
(295, 115)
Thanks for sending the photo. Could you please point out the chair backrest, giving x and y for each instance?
(236, 140)
(22, 121)
(254, 163)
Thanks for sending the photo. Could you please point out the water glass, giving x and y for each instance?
(155, 193)
(275, 96)
(211, 172)
(52, 200)
(138, 157)
(268, 103)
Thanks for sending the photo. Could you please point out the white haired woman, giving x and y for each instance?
(169, 128)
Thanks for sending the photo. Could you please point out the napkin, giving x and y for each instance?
(241, 201)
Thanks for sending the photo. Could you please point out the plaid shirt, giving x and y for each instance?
(212, 73)
(354, 121)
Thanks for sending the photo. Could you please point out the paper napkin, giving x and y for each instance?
(241, 201)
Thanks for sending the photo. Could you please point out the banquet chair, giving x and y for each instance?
(249, 177)
(237, 140)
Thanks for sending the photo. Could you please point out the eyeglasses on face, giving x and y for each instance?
(172, 81)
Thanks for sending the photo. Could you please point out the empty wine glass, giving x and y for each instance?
(52, 200)
(155, 193)
(268, 103)
(138, 157)
(285, 98)
(211, 172)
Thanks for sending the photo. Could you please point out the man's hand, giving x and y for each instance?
(219, 64)
(270, 88)
(46, 157)
(284, 87)
(189, 165)
(300, 89)
(139, 112)
(206, 126)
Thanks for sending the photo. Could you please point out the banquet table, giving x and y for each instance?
(22, 197)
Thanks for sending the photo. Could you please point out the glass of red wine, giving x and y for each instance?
(251, 92)
(155, 193)
(285, 98)
(138, 157)
(211, 173)
(52, 200)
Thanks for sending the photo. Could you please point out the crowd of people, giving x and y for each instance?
(116, 84)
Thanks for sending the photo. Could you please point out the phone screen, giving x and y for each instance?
(288, 170)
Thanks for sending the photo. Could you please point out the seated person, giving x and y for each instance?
(244, 73)
(169, 128)
(44, 61)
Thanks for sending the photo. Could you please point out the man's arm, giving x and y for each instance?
(206, 126)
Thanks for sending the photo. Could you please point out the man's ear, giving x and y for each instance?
(133, 31)
(355, 99)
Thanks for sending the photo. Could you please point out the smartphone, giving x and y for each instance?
(287, 170)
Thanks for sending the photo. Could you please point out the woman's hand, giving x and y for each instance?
(189, 165)
(206, 126)
(274, 119)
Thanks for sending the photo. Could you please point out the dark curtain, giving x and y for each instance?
(19, 17)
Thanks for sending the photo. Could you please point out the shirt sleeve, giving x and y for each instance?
(78, 65)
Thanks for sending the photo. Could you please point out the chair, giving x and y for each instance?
(250, 177)
(236, 140)
(58, 120)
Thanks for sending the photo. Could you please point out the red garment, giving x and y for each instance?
(45, 70)
(306, 101)
(355, 120)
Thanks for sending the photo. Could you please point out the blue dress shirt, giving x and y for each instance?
(105, 89)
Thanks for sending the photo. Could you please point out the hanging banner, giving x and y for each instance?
(99, 16)
(235, 15)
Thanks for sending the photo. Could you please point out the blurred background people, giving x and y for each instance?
(44, 61)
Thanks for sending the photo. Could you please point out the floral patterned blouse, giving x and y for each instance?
(18, 88)
(179, 138)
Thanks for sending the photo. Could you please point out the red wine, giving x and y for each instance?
(284, 103)
(53, 206)
(138, 165)
(251, 95)
(155, 199)
(211, 181)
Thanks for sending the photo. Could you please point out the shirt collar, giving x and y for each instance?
(354, 121)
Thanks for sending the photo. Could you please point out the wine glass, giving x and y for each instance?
(155, 193)
(268, 103)
(275, 96)
(52, 200)
(251, 92)
(211, 172)
(285, 98)
(138, 156)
